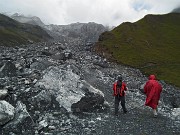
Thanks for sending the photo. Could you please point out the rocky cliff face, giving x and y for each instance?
(86, 31)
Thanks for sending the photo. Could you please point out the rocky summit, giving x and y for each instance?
(64, 88)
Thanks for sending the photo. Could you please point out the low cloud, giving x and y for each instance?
(106, 12)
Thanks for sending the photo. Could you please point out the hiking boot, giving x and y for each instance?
(155, 115)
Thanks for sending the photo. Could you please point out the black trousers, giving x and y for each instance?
(117, 100)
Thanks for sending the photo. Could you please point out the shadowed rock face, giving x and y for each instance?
(71, 92)
(8, 69)
(89, 103)
(89, 32)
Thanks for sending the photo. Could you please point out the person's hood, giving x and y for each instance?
(152, 77)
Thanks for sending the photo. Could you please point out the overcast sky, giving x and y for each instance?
(106, 12)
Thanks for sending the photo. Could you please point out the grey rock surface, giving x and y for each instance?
(6, 112)
(74, 95)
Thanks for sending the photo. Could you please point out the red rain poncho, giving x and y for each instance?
(152, 89)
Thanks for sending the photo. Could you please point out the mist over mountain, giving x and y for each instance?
(176, 10)
(30, 20)
(14, 33)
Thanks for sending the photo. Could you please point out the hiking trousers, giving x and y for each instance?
(122, 100)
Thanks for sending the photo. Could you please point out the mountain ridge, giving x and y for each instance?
(34, 20)
(14, 33)
(150, 44)
(176, 10)
(86, 31)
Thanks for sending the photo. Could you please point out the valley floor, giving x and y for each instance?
(101, 74)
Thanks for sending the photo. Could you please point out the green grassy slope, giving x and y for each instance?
(151, 44)
(14, 33)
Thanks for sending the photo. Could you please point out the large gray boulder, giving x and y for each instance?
(74, 94)
(22, 122)
(8, 69)
(3, 93)
(63, 55)
(6, 112)
(40, 65)
(92, 101)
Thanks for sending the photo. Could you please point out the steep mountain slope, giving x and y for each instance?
(176, 10)
(30, 20)
(86, 31)
(13, 32)
(150, 44)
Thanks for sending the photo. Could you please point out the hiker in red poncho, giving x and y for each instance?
(152, 89)
(119, 87)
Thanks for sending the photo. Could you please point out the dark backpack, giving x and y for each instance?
(118, 88)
